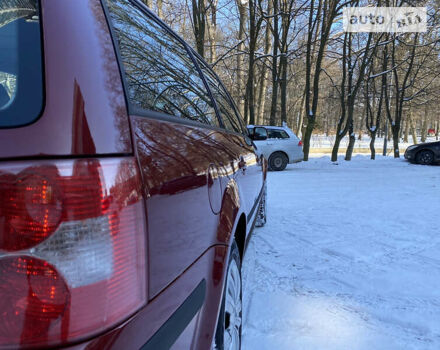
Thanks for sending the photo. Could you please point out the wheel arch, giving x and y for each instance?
(232, 219)
(423, 150)
(279, 151)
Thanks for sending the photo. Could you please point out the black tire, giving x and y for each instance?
(278, 161)
(223, 319)
(425, 157)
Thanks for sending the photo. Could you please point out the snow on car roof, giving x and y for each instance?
(269, 126)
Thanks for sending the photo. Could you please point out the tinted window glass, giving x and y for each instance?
(260, 133)
(160, 74)
(21, 75)
(277, 134)
(225, 105)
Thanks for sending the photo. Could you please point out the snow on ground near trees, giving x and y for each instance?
(321, 141)
(349, 258)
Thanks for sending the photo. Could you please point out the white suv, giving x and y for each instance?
(278, 144)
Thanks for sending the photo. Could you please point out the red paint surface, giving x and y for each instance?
(85, 110)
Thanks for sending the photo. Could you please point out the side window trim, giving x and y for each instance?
(230, 100)
(135, 110)
(191, 53)
(117, 51)
(193, 56)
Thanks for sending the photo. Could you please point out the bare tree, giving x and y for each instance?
(199, 25)
(325, 13)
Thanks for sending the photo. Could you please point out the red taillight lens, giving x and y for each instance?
(32, 207)
(32, 296)
(300, 143)
(72, 250)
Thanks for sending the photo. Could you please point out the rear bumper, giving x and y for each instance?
(296, 157)
(183, 316)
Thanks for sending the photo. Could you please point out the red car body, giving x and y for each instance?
(187, 189)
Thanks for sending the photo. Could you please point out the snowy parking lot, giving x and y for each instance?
(349, 258)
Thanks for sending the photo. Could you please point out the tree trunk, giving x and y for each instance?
(372, 148)
(211, 25)
(261, 103)
(299, 128)
(240, 56)
(351, 142)
(336, 146)
(265, 72)
(160, 8)
(396, 133)
(413, 130)
(276, 41)
(283, 87)
(352, 137)
(406, 134)
(254, 26)
(424, 128)
(307, 136)
(199, 20)
(437, 129)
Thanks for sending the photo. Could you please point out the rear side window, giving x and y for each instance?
(160, 74)
(21, 73)
(224, 103)
(277, 134)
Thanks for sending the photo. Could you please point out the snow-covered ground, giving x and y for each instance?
(322, 141)
(349, 259)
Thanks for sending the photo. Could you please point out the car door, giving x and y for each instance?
(249, 172)
(176, 139)
(259, 135)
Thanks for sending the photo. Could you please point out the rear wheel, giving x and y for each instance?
(425, 157)
(278, 161)
(228, 333)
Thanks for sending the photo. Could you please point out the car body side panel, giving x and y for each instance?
(175, 159)
(85, 112)
(229, 212)
(249, 175)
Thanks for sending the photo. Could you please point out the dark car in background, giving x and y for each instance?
(128, 184)
(424, 153)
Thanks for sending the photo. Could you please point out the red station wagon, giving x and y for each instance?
(128, 184)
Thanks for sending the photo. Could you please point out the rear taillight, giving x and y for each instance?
(72, 249)
(300, 143)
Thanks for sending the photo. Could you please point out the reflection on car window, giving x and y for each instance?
(260, 133)
(277, 134)
(21, 81)
(161, 75)
(8, 87)
(227, 111)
